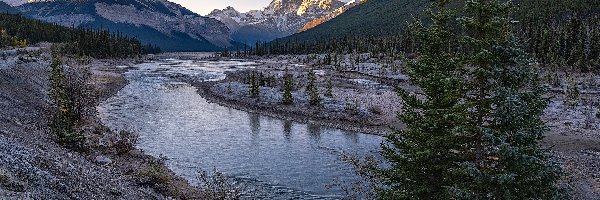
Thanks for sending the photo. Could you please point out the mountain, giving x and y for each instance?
(5, 8)
(160, 22)
(369, 18)
(332, 15)
(14, 2)
(279, 19)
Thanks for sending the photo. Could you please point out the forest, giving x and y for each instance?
(557, 33)
(18, 31)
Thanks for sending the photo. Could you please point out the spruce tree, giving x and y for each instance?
(473, 131)
(311, 89)
(254, 86)
(288, 86)
(329, 91)
(504, 126)
(421, 155)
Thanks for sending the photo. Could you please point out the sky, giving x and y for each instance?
(204, 7)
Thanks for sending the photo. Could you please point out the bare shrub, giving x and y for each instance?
(153, 175)
(375, 110)
(125, 142)
(365, 186)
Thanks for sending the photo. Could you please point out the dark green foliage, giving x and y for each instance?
(174, 41)
(558, 33)
(421, 155)
(80, 41)
(564, 33)
(504, 127)
(473, 132)
(64, 113)
(288, 86)
(254, 82)
(329, 90)
(311, 89)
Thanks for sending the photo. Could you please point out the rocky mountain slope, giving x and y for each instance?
(279, 19)
(160, 22)
(332, 15)
(372, 17)
(5, 8)
(14, 2)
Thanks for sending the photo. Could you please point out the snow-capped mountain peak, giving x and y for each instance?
(280, 18)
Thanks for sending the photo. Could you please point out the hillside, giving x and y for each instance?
(166, 24)
(5, 8)
(563, 33)
(372, 18)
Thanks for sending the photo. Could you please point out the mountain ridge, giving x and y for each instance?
(168, 25)
(279, 19)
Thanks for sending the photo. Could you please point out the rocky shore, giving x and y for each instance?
(33, 165)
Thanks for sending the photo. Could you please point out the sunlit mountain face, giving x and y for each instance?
(279, 19)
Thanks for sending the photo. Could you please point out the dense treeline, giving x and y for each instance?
(563, 33)
(79, 41)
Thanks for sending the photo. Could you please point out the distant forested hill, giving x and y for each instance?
(556, 32)
(16, 30)
(373, 18)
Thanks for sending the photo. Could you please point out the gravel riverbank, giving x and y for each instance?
(33, 165)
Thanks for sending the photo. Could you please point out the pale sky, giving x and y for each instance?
(203, 7)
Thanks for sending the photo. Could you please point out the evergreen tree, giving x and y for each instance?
(254, 83)
(473, 132)
(288, 86)
(329, 90)
(421, 155)
(63, 118)
(311, 89)
(504, 126)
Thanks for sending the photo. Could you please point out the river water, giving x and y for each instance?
(270, 158)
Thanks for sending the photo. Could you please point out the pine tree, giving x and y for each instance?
(64, 114)
(329, 90)
(473, 131)
(311, 89)
(288, 85)
(504, 125)
(421, 155)
(254, 89)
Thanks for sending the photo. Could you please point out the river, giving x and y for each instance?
(270, 158)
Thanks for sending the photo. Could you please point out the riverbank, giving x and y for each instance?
(359, 100)
(33, 164)
(573, 123)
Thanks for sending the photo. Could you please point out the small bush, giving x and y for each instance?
(153, 175)
(375, 110)
(125, 142)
